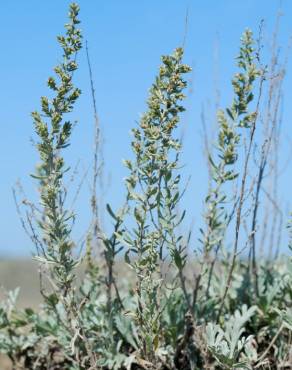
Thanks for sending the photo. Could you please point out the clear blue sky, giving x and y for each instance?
(126, 39)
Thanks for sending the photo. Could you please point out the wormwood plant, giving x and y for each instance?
(54, 243)
(156, 316)
(54, 136)
(226, 345)
(223, 171)
(153, 188)
(234, 117)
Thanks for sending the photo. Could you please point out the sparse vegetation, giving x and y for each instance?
(188, 303)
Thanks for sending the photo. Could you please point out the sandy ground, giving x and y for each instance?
(5, 363)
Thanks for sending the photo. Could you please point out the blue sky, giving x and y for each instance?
(126, 39)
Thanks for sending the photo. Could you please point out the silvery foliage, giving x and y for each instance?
(77, 328)
(228, 343)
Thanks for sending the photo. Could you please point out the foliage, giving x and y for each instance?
(172, 311)
(54, 220)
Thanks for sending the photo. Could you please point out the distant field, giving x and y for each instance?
(23, 274)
